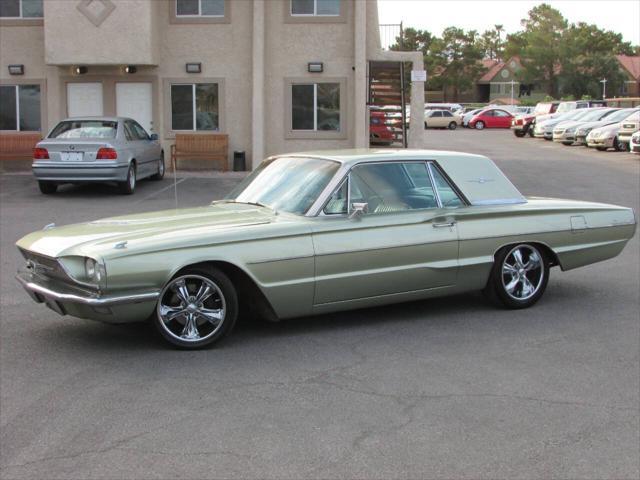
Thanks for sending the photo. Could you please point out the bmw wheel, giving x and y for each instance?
(196, 308)
(47, 187)
(519, 276)
(159, 175)
(129, 185)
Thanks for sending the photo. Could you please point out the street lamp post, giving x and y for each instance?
(512, 84)
(604, 88)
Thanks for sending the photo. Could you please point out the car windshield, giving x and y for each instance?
(595, 114)
(542, 108)
(290, 184)
(565, 107)
(619, 115)
(85, 129)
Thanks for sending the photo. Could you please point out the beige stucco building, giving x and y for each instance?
(240, 67)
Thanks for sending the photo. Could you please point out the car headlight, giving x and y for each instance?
(570, 130)
(94, 271)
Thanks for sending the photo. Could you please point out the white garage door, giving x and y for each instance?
(134, 100)
(84, 99)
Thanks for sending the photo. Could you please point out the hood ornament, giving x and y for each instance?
(482, 180)
(49, 226)
(120, 245)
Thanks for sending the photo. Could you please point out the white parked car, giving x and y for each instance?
(441, 119)
(634, 144)
(605, 137)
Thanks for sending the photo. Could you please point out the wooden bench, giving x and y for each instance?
(18, 146)
(201, 146)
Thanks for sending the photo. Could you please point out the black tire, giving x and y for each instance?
(601, 149)
(479, 125)
(620, 146)
(425, 125)
(48, 188)
(498, 291)
(225, 299)
(129, 185)
(453, 126)
(519, 133)
(530, 130)
(161, 169)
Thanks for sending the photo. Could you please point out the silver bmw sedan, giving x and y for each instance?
(97, 149)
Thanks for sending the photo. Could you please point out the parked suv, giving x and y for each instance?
(522, 124)
(629, 126)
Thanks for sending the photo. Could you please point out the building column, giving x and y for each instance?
(361, 120)
(416, 132)
(257, 103)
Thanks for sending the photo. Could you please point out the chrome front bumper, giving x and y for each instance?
(108, 308)
(78, 172)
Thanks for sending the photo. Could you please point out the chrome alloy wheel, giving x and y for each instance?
(522, 272)
(191, 308)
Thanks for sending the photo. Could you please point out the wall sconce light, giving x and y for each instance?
(80, 70)
(194, 67)
(16, 69)
(315, 67)
(130, 69)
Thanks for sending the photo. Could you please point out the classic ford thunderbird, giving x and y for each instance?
(319, 232)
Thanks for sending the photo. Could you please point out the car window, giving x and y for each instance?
(446, 114)
(140, 132)
(337, 204)
(436, 113)
(128, 132)
(488, 113)
(84, 129)
(448, 195)
(392, 187)
(501, 113)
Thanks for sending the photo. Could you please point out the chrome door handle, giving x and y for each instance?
(444, 225)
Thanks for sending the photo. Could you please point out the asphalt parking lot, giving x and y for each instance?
(449, 388)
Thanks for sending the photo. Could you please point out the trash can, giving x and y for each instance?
(239, 164)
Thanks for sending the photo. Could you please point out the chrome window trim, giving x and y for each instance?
(433, 185)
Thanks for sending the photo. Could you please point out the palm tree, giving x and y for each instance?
(499, 29)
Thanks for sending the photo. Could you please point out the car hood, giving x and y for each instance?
(157, 230)
(612, 127)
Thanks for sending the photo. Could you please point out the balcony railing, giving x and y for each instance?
(390, 34)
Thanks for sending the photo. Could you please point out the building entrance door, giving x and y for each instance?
(84, 99)
(135, 100)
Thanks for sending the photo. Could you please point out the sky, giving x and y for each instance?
(621, 16)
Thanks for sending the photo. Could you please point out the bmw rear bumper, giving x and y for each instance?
(103, 172)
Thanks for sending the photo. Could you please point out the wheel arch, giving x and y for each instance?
(551, 255)
(251, 298)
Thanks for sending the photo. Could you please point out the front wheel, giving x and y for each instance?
(530, 130)
(519, 276)
(129, 185)
(519, 133)
(479, 125)
(453, 126)
(619, 146)
(601, 149)
(196, 308)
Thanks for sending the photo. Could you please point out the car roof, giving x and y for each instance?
(105, 119)
(479, 179)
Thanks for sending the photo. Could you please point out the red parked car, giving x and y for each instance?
(379, 132)
(491, 118)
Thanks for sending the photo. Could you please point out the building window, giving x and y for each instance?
(194, 106)
(20, 108)
(200, 8)
(21, 9)
(315, 107)
(328, 8)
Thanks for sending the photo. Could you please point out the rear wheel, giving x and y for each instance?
(129, 185)
(519, 133)
(196, 308)
(479, 125)
(47, 187)
(160, 173)
(601, 149)
(453, 126)
(519, 276)
(530, 130)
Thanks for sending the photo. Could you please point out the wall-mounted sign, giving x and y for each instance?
(418, 75)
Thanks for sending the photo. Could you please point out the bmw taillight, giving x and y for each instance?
(40, 154)
(107, 153)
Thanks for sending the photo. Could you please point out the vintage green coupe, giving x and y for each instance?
(318, 232)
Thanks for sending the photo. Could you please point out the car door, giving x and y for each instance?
(435, 120)
(405, 242)
(501, 119)
(146, 150)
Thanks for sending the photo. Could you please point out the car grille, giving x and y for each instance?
(628, 125)
(43, 265)
(558, 131)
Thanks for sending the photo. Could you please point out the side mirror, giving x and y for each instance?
(153, 137)
(358, 209)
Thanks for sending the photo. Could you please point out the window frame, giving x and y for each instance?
(22, 21)
(342, 17)
(176, 19)
(43, 114)
(20, 13)
(290, 133)
(169, 133)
